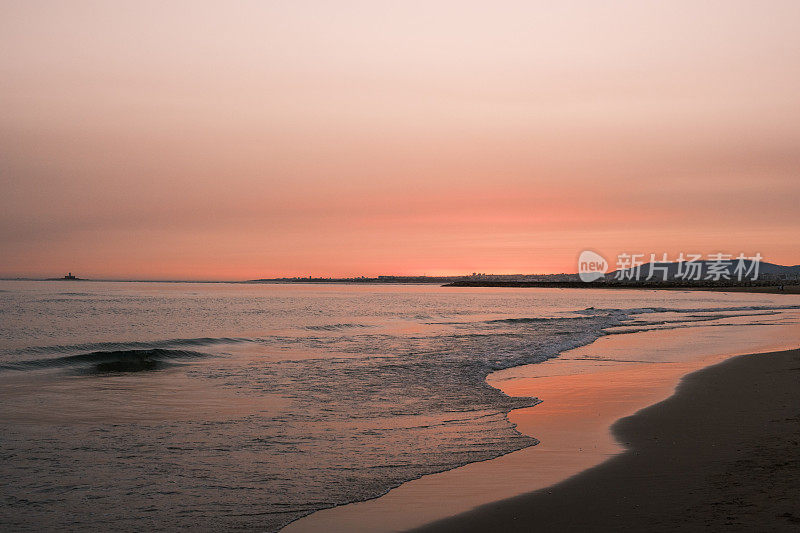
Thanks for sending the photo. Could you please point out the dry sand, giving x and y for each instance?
(722, 453)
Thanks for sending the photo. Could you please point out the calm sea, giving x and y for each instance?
(231, 406)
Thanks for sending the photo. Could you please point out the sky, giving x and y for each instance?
(237, 140)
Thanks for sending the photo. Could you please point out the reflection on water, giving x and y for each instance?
(246, 406)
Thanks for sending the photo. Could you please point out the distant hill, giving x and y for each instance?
(771, 278)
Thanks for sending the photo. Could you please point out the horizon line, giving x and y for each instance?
(330, 278)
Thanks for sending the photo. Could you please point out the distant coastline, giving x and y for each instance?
(767, 286)
(753, 287)
(771, 278)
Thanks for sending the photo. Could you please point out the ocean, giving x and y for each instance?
(246, 406)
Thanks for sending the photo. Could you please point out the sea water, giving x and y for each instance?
(246, 406)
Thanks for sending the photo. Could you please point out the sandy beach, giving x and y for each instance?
(721, 453)
(594, 416)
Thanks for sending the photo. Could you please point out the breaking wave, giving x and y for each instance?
(110, 361)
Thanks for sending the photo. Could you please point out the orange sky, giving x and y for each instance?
(203, 140)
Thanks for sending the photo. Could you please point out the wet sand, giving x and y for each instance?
(722, 453)
(584, 392)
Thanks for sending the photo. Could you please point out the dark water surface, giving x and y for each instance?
(163, 406)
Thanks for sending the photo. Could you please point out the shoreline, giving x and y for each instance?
(584, 392)
(720, 453)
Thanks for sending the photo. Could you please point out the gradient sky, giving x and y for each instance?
(233, 140)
